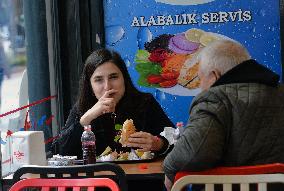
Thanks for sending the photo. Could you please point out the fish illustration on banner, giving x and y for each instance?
(168, 62)
(160, 41)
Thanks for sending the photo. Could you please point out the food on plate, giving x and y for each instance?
(180, 45)
(106, 151)
(194, 35)
(123, 156)
(58, 160)
(207, 38)
(174, 63)
(133, 156)
(109, 155)
(128, 128)
(146, 155)
(161, 41)
(188, 73)
(159, 56)
(139, 153)
(169, 60)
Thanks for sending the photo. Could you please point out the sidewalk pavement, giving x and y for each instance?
(10, 95)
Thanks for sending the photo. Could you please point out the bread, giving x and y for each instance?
(128, 128)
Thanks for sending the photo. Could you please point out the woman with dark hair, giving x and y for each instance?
(108, 97)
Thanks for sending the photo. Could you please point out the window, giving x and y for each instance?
(12, 66)
(26, 98)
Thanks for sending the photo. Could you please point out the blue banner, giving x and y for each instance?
(160, 39)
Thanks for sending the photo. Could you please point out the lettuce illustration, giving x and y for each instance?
(142, 56)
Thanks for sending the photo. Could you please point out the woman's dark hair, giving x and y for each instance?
(86, 96)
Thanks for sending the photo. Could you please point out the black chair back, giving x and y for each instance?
(78, 171)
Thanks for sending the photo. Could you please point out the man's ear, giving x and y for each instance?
(217, 74)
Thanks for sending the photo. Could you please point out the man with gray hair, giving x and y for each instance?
(237, 119)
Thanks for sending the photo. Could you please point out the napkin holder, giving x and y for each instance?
(27, 149)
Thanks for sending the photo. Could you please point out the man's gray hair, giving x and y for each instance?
(222, 55)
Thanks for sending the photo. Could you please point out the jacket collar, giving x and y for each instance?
(249, 71)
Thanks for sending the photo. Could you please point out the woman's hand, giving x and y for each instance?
(106, 104)
(145, 141)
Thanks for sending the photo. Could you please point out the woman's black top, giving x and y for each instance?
(145, 111)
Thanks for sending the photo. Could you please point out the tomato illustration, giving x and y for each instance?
(170, 75)
(154, 79)
(168, 83)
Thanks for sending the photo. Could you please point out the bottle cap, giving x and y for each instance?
(87, 127)
(179, 124)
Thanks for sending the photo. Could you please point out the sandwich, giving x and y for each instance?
(128, 128)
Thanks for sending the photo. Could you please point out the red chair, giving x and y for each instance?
(74, 172)
(62, 184)
(243, 175)
(241, 170)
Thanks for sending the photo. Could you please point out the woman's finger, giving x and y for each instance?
(108, 93)
(137, 140)
(140, 134)
(143, 147)
(107, 100)
(107, 105)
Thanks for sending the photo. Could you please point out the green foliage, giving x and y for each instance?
(142, 56)
(142, 81)
(116, 138)
(118, 127)
(145, 68)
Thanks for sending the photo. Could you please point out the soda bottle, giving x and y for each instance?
(88, 140)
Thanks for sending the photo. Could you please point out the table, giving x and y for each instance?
(134, 171)
(149, 170)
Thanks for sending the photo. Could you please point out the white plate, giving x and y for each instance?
(184, 2)
(180, 91)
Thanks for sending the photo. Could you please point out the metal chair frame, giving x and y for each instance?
(63, 184)
(243, 175)
(75, 172)
(227, 180)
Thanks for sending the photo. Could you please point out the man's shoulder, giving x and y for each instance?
(228, 87)
(234, 88)
(213, 92)
(220, 93)
(235, 91)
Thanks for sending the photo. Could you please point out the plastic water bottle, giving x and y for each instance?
(88, 140)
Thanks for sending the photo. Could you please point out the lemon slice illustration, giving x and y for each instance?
(194, 35)
(207, 38)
